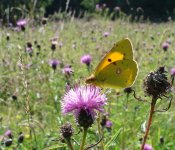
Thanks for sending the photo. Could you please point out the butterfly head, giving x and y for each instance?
(91, 79)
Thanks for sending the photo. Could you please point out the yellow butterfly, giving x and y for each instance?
(117, 69)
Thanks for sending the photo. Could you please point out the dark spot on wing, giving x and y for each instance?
(109, 60)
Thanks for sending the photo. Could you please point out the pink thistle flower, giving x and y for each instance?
(108, 124)
(165, 46)
(106, 34)
(29, 49)
(67, 70)
(117, 9)
(104, 5)
(98, 7)
(8, 133)
(148, 147)
(172, 72)
(54, 63)
(86, 59)
(21, 22)
(83, 101)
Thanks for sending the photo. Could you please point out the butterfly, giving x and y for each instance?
(117, 69)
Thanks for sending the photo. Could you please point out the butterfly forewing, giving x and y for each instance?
(120, 51)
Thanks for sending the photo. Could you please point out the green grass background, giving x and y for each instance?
(40, 88)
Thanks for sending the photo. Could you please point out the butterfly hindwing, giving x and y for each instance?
(119, 74)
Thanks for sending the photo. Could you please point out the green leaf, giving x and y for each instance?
(113, 139)
(56, 146)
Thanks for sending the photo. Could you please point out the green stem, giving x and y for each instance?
(125, 106)
(69, 144)
(100, 131)
(153, 103)
(84, 138)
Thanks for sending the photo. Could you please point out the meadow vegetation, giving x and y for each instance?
(33, 82)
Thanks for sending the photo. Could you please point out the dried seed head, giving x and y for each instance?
(156, 83)
(103, 121)
(8, 142)
(67, 131)
(20, 137)
(161, 140)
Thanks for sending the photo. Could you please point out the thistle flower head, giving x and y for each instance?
(67, 70)
(8, 133)
(66, 131)
(54, 63)
(172, 72)
(156, 83)
(108, 124)
(106, 34)
(148, 147)
(83, 101)
(21, 22)
(86, 59)
(165, 46)
(117, 9)
(20, 137)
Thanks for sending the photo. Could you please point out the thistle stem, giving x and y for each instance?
(100, 131)
(69, 144)
(84, 138)
(153, 103)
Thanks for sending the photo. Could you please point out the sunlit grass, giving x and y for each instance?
(45, 87)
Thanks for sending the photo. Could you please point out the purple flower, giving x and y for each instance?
(165, 46)
(67, 70)
(54, 63)
(108, 124)
(106, 34)
(21, 22)
(147, 147)
(104, 5)
(172, 71)
(53, 45)
(29, 50)
(97, 7)
(83, 101)
(86, 59)
(8, 133)
(117, 9)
